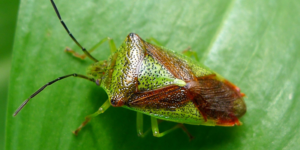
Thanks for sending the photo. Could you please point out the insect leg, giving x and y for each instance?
(188, 52)
(83, 56)
(70, 34)
(156, 133)
(49, 83)
(154, 41)
(101, 110)
(139, 125)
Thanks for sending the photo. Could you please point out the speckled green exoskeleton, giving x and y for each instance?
(165, 85)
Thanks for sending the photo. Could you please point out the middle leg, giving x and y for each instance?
(156, 132)
(139, 125)
(187, 52)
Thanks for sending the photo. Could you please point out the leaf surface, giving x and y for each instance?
(254, 44)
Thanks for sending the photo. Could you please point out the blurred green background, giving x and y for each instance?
(8, 19)
(253, 43)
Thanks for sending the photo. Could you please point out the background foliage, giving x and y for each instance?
(8, 19)
(254, 44)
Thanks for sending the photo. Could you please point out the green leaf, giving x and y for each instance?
(8, 15)
(254, 44)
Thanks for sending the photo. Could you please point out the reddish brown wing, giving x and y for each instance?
(176, 66)
(216, 99)
(168, 98)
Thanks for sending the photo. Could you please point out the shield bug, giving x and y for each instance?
(165, 85)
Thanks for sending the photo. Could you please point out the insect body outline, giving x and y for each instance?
(151, 80)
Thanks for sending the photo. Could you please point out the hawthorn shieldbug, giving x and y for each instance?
(163, 84)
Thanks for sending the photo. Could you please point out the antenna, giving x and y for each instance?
(70, 34)
(49, 83)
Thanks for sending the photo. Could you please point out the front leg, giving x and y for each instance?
(83, 56)
(101, 110)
